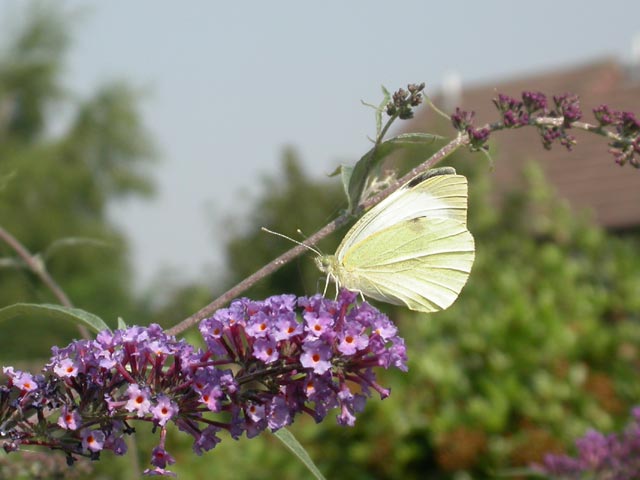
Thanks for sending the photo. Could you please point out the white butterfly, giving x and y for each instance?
(411, 249)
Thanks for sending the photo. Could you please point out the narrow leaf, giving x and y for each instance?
(436, 109)
(413, 138)
(286, 437)
(7, 262)
(358, 178)
(345, 177)
(53, 312)
(74, 242)
(386, 96)
(337, 171)
(370, 162)
(406, 139)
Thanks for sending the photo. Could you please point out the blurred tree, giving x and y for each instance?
(62, 160)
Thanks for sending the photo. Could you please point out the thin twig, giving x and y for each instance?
(36, 267)
(40, 270)
(588, 127)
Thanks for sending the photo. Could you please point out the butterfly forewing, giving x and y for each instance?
(441, 196)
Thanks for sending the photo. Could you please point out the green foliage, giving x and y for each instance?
(292, 443)
(55, 313)
(63, 159)
(542, 344)
(357, 179)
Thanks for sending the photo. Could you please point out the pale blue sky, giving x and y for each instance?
(231, 83)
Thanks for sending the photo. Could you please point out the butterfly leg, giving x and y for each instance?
(326, 286)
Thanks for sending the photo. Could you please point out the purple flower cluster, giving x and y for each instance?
(302, 366)
(513, 114)
(626, 148)
(567, 107)
(554, 122)
(605, 457)
(478, 137)
(266, 361)
(518, 113)
(534, 102)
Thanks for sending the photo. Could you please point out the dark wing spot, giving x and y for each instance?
(434, 172)
(416, 180)
(415, 226)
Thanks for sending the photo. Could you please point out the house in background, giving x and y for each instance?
(587, 177)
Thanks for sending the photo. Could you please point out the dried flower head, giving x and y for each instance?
(404, 101)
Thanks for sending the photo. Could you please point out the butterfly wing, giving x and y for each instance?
(422, 263)
(440, 196)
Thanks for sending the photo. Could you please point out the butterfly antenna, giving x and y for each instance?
(308, 247)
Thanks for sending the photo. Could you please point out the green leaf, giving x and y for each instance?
(401, 141)
(286, 437)
(379, 109)
(54, 312)
(386, 96)
(337, 171)
(345, 172)
(345, 176)
(413, 138)
(74, 242)
(370, 162)
(436, 109)
(6, 262)
(358, 178)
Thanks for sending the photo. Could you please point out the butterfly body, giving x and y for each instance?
(411, 249)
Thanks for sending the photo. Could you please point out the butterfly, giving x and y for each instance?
(411, 249)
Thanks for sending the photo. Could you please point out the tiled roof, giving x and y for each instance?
(587, 177)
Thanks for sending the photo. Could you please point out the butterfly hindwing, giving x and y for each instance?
(422, 263)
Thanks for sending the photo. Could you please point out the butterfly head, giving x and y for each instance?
(328, 264)
(325, 263)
